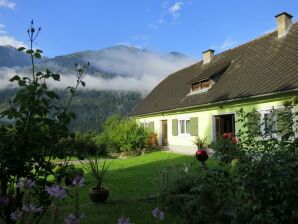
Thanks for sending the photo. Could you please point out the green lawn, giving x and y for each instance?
(129, 180)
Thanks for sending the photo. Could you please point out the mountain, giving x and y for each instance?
(118, 77)
(11, 57)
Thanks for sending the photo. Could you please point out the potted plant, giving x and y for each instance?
(201, 154)
(97, 170)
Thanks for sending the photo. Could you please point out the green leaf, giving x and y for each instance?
(15, 78)
(83, 83)
(22, 83)
(37, 55)
(56, 77)
(52, 95)
(39, 74)
(38, 51)
(30, 51)
(21, 48)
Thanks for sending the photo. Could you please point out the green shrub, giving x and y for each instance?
(261, 187)
(123, 135)
(270, 186)
(207, 197)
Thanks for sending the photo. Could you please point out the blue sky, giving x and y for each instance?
(186, 26)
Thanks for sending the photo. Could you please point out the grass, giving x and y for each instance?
(129, 180)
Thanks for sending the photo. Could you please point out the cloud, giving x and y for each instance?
(227, 44)
(9, 40)
(5, 75)
(139, 70)
(2, 27)
(131, 69)
(7, 4)
(175, 9)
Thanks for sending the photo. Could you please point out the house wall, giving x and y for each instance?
(183, 143)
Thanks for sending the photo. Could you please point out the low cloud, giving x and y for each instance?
(138, 69)
(7, 4)
(5, 75)
(6, 40)
(133, 70)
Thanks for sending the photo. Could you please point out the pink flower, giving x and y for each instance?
(124, 220)
(234, 140)
(25, 183)
(31, 208)
(78, 181)
(56, 191)
(157, 213)
(72, 219)
(16, 215)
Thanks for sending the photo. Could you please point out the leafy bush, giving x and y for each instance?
(226, 148)
(203, 198)
(36, 125)
(269, 185)
(261, 187)
(123, 135)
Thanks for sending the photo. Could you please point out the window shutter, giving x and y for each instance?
(151, 126)
(253, 123)
(284, 120)
(174, 127)
(194, 126)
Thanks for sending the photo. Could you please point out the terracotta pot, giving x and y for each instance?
(99, 195)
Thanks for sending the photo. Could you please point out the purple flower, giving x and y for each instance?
(16, 215)
(123, 220)
(78, 181)
(31, 208)
(159, 214)
(4, 201)
(25, 183)
(72, 219)
(56, 191)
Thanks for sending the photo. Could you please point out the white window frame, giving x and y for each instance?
(179, 126)
(263, 111)
(146, 124)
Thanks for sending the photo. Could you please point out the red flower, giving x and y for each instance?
(234, 140)
(226, 135)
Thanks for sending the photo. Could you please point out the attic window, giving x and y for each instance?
(200, 86)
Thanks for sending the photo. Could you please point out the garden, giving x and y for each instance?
(50, 175)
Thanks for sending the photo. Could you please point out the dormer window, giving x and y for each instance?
(201, 86)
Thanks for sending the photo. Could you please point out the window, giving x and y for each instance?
(277, 122)
(200, 86)
(269, 124)
(184, 126)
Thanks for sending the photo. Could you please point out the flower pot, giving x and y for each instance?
(99, 195)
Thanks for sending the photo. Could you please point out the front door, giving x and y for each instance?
(224, 124)
(164, 132)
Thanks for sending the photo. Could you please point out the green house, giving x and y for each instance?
(202, 99)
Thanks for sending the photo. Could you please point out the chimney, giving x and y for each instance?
(284, 22)
(208, 56)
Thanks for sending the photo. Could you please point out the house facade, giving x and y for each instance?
(203, 99)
